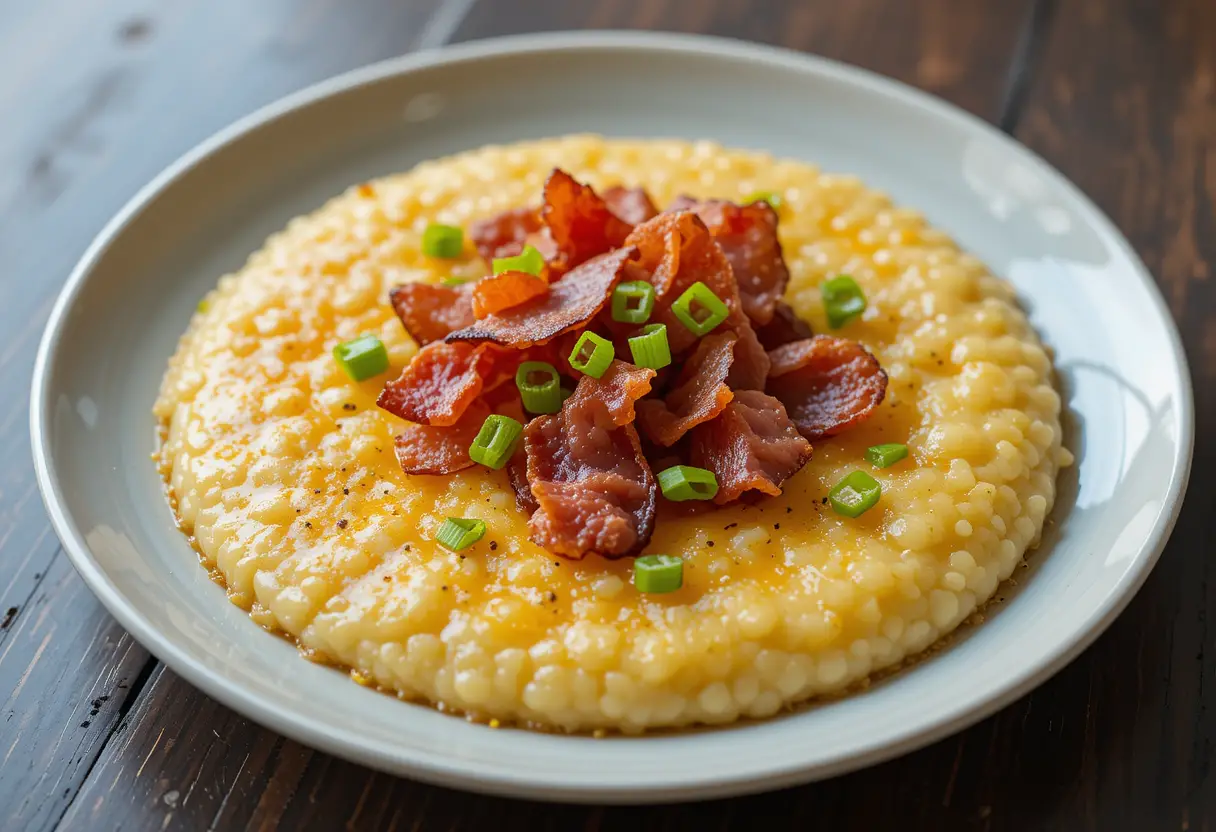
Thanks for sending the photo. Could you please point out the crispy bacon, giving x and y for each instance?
(428, 449)
(570, 303)
(429, 311)
(593, 489)
(439, 384)
(700, 393)
(751, 446)
(613, 394)
(784, 328)
(677, 250)
(517, 475)
(497, 292)
(633, 205)
(827, 384)
(505, 234)
(579, 221)
(748, 237)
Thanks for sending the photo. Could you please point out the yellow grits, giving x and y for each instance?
(283, 469)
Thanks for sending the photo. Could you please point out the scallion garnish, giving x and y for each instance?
(684, 482)
(539, 387)
(700, 309)
(592, 354)
(884, 456)
(650, 349)
(855, 494)
(446, 241)
(632, 302)
(362, 357)
(495, 442)
(843, 300)
(655, 574)
(529, 260)
(458, 533)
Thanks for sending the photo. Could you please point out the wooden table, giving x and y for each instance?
(98, 96)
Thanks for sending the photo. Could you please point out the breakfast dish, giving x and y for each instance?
(707, 435)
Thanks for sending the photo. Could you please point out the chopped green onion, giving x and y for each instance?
(771, 197)
(362, 357)
(855, 494)
(203, 305)
(540, 395)
(684, 482)
(658, 573)
(650, 349)
(592, 355)
(529, 260)
(453, 280)
(458, 533)
(700, 309)
(632, 302)
(884, 456)
(445, 241)
(495, 442)
(843, 300)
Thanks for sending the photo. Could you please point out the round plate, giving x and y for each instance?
(1128, 398)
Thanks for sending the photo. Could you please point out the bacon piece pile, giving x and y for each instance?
(745, 401)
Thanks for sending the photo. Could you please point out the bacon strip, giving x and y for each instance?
(426, 449)
(827, 384)
(497, 292)
(677, 250)
(748, 236)
(752, 446)
(700, 394)
(504, 235)
(570, 303)
(588, 475)
(429, 311)
(439, 384)
(579, 221)
(784, 328)
(633, 205)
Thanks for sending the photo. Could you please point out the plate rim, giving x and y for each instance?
(441, 770)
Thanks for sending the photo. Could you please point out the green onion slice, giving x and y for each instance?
(632, 302)
(773, 198)
(855, 494)
(458, 533)
(496, 440)
(454, 281)
(658, 573)
(362, 357)
(650, 349)
(445, 241)
(592, 354)
(529, 260)
(539, 386)
(884, 456)
(843, 300)
(684, 482)
(700, 309)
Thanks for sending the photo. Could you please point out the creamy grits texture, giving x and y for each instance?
(282, 469)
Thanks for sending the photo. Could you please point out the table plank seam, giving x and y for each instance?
(134, 694)
(1027, 58)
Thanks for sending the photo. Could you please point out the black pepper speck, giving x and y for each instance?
(342, 523)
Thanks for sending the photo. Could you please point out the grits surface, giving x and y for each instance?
(283, 469)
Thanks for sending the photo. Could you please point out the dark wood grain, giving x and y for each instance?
(98, 98)
(1120, 94)
(187, 761)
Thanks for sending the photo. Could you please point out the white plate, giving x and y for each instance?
(1122, 368)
